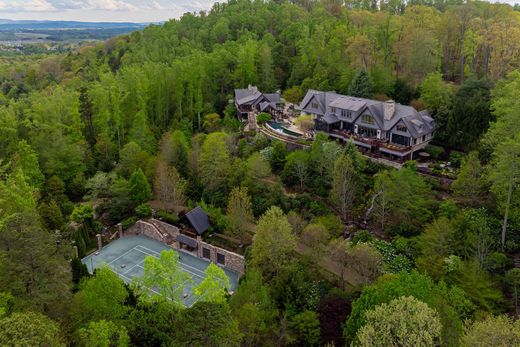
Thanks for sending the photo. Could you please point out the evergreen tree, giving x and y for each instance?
(361, 85)
(140, 191)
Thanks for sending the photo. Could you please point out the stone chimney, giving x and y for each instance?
(389, 109)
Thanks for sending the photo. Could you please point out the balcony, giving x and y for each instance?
(371, 142)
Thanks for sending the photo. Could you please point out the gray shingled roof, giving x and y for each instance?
(187, 240)
(330, 118)
(250, 95)
(348, 103)
(418, 123)
(199, 220)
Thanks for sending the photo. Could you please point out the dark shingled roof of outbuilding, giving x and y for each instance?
(187, 240)
(198, 219)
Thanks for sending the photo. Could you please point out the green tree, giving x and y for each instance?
(344, 184)
(103, 334)
(306, 326)
(273, 242)
(401, 197)
(214, 286)
(450, 303)
(211, 324)
(471, 180)
(33, 268)
(214, 162)
(101, 297)
(435, 93)
(361, 85)
(471, 113)
(26, 159)
(139, 191)
(504, 177)
(252, 306)
(165, 277)
(296, 169)
(405, 321)
(513, 280)
(499, 331)
(239, 212)
(26, 329)
(169, 186)
(278, 156)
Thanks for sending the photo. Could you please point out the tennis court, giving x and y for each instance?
(126, 256)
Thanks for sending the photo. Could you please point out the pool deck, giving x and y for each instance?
(126, 256)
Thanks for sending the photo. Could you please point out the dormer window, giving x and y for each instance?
(346, 114)
(401, 128)
(333, 109)
(314, 105)
(367, 119)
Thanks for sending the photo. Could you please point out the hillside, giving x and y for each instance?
(338, 248)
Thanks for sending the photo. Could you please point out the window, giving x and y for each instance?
(345, 113)
(401, 128)
(333, 109)
(314, 105)
(367, 119)
(424, 138)
(400, 140)
(221, 258)
(367, 132)
(206, 253)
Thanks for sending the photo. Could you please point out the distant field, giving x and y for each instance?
(62, 31)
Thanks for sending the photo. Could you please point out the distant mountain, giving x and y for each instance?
(7, 24)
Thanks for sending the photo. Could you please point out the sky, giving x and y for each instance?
(106, 10)
(100, 10)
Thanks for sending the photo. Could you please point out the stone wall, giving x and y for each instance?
(146, 228)
(221, 256)
(167, 233)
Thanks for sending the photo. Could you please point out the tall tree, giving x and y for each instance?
(169, 186)
(163, 278)
(470, 182)
(239, 212)
(251, 304)
(215, 285)
(344, 185)
(101, 297)
(499, 331)
(140, 191)
(405, 322)
(102, 334)
(361, 86)
(29, 329)
(505, 178)
(273, 242)
(214, 162)
(33, 268)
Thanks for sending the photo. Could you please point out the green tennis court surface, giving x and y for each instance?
(126, 256)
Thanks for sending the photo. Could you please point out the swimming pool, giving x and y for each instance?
(281, 127)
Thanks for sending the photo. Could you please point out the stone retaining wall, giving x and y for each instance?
(221, 256)
(167, 233)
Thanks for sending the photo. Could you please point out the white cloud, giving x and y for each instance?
(27, 6)
(109, 5)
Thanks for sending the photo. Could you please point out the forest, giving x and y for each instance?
(340, 251)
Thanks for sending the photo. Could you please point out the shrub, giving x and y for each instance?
(263, 117)
(168, 217)
(456, 158)
(128, 222)
(434, 151)
(143, 210)
(362, 236)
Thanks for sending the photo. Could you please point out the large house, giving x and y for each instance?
(252, 100)
(381, 128)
